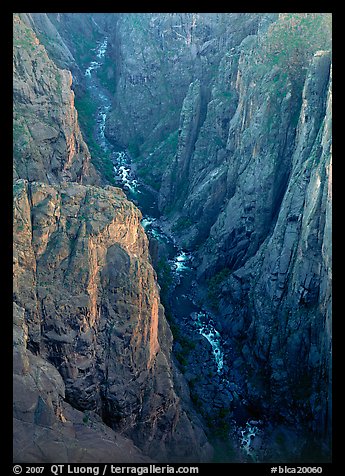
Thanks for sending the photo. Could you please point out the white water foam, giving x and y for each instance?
(100, 55)
(179, 263)
(206, 328)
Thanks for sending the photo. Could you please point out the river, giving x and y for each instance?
(191, 318)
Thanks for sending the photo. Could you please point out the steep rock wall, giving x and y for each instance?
(246, 181)
(253, 169)
(237, 139)
(279, 302)
(157, 57)
(91, 301)
(259, 205)
(48, 144)
(69, 37)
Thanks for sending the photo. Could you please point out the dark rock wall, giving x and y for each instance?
(45, 427)
(83, 277)
(157, 57)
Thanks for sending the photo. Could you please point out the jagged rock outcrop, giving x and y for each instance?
(92, 308)
(45, 29)
(253, 170)
(262, 198)
(175, 183)
(48, 144)
(69, 37)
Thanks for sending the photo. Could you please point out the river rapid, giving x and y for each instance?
(208, 363)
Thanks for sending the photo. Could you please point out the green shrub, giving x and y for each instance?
(165, 278)
(214, 285)
(292, 40)
(86, 418)
(181, 358)
(87, 111)
(21, 136)
(134, 148)
(58, 82)
(107, 75)
(23, 36)
(182, 224)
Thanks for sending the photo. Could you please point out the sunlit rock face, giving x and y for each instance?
(92, 310)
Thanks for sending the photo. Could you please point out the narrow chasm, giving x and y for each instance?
(217, 128)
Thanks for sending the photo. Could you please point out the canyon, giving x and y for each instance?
(172, 237)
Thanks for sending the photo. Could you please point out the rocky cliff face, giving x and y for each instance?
(83, 279)
(271, 239)
(48, 145)
(94, 378)
(68, 38)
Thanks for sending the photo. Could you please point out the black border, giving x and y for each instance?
(6, 392)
